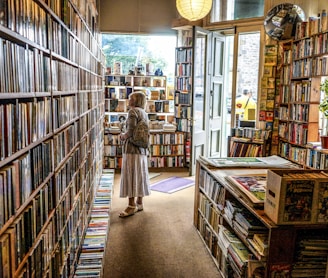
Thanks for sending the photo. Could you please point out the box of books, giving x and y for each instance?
(292, 196)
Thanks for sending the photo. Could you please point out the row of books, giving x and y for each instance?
(320, 44)
(183, 55)
(293, 153)
(316, 159)
(29, 20)
(301, 92)
(183, 124)
(110, 162)
(183, 70)
(254, 134)
(209, 212)
(183, 83)
(311, 259)
(183, 97)
(132, 81)
(113, 150)
(241, 149)
(65, 109)
(166, 138)
(320, 66)
(23, 70)
(166, 161)
(213, 189)
(302, 68)
(312, 26)
(163, 150)
(91, 257)
(182, 112)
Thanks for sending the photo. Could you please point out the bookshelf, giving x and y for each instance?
(301, 74)
(166, 150)
(118, 87)
(249, 142)
(51, 133)
(183, 96)
(241, 239)
(167, 145)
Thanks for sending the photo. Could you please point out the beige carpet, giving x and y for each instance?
(159, 242)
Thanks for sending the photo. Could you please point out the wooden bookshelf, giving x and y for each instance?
(51, 127)
(220, 210)
(298, 103)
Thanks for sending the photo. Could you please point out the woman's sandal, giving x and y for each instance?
(140, 207)
(126, 214)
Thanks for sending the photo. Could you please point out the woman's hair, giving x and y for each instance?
(139, 99)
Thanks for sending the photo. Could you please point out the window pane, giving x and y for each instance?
(238, 9)
(247, 76)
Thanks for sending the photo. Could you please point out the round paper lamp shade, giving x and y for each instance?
(193, 9)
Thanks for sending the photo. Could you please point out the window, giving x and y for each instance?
(224, 10)
(147, 53)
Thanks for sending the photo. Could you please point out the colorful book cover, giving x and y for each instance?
(298, 201)
(254, 186)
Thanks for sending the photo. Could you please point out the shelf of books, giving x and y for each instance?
(166, 149)
(249, 142)
(302, 71)
(51, 126)
(247, 215)
(160, 109)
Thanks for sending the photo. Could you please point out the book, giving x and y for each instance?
(252, 185)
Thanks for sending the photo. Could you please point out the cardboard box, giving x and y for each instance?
(292, 196)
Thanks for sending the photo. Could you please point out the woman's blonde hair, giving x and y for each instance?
(139, 99)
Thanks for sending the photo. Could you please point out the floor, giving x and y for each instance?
(159, 242)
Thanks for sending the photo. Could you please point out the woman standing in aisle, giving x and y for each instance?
(134, 172)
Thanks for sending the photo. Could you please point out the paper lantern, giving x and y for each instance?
(193, 9)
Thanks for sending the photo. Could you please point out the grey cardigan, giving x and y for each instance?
(134, 115)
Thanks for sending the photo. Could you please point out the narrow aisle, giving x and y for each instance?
(160, 241)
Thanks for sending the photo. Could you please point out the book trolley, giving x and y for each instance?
(285, 235)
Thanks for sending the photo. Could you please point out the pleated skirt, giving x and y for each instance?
(134, 176)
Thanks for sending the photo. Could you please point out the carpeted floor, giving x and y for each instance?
(159, 242)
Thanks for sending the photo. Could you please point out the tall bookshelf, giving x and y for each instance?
(183, 86)
(51, 127)
(302, 69)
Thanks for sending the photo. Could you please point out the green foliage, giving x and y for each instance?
(130, 51)
(323, 106)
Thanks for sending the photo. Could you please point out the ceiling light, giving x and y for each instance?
(193, 9)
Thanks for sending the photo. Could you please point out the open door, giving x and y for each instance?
(216, 100)
(198, 142)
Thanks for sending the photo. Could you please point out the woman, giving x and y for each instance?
(134, 171)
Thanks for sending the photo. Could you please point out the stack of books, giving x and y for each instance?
(90, 262)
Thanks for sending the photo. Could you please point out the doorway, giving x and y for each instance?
(237, 53)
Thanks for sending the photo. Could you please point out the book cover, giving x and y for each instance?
(253, 186)
(298, 200)
(322, 215)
